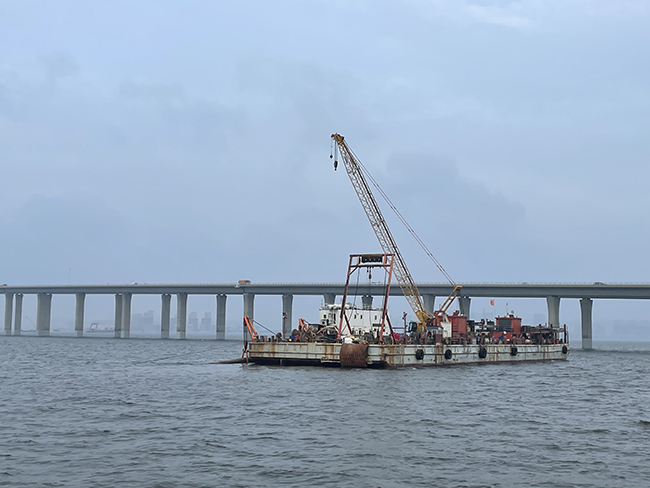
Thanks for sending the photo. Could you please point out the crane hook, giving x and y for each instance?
(334, 149)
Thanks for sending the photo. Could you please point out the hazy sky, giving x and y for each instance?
(168, 141)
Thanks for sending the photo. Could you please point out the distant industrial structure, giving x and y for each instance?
(124, 319)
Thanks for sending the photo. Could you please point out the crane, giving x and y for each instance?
(355, 171)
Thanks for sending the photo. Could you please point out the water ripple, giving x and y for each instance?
(101, 412)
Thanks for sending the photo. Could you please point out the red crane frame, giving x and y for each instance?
(368, 261)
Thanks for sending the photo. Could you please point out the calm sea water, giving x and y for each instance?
(105, 413)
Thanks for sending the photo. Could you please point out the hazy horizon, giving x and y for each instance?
(166, 142)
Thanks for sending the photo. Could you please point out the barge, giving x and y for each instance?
(456, 341)
(366, 338)
(398, 355)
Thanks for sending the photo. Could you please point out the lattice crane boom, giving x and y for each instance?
(381, 229)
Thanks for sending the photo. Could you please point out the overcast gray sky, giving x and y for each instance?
(167, 141)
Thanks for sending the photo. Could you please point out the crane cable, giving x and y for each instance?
(256, 322)
(402, 219)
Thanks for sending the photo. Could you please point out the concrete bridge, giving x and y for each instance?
(553, 293)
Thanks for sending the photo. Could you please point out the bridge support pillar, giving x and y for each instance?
(118, 316)
(79, 314)
(9, 312)
(553, 305)
(429, 303)
(249, 310)
(287, 315)
(464, 305)
(18, 314)
(329, 298)
(586, 305)
(126, 315)
(43, 314)
(221, 317)
(165, 315)
(366, 300)
(181, 315)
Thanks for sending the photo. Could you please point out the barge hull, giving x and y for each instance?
(403, 355)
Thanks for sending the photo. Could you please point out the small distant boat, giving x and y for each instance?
(94, 327)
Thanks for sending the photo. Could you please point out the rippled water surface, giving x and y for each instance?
(105, 412)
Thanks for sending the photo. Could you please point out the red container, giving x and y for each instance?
(458, 326)
(509, 324)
